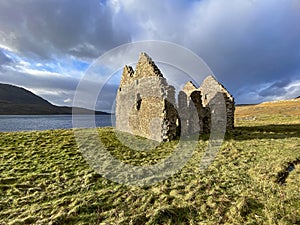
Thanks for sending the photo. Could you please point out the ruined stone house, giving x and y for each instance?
(146, 104)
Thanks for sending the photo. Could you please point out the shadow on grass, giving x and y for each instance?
(282, 175)
(265, 132)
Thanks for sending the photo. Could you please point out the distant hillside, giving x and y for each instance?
(283, 107)
(19, 101)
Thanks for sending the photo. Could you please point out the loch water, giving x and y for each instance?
(51, 122)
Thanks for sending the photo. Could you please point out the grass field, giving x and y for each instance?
(45, 180)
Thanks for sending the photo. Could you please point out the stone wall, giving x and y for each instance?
(145, 102)
(146, 105)
(191, 110)
(209, 89)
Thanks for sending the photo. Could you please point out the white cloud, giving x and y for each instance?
(68, 100)
(292, 90)
(247, 44)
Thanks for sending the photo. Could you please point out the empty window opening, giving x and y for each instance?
(138, 102)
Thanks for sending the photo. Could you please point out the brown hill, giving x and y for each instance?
(283, 107)
(19, 101)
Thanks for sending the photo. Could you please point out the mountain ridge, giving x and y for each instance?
(16, 100)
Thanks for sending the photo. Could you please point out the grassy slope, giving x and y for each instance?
(45, 180)
(279, 112)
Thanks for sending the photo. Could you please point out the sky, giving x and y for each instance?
(252, 46)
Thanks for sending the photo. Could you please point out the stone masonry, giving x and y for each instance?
(146, 104)
(209, 88)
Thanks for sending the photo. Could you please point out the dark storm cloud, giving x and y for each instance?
(249, 42)
(276, 89)
(251, 46)
(47, 28)
(246, 43)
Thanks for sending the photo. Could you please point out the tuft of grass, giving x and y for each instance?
(44, 179)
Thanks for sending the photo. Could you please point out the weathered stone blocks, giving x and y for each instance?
(146, 104)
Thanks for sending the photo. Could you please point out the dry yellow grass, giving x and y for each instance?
(284, 107)
(277, 112)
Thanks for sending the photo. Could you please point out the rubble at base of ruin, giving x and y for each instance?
(146, 104)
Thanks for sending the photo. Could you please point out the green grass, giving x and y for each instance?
(44, 179)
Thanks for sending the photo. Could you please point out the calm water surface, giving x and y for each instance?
(51, 122)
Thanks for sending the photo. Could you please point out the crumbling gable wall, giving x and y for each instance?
(146, 106)
(209, 89)
(145, 102)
